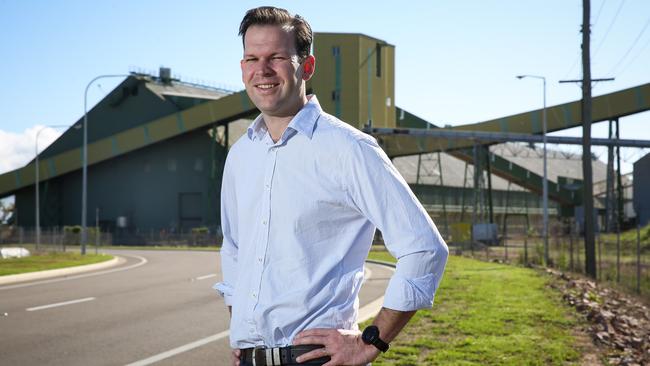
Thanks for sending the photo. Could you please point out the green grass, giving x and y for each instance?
(487, 314)
(41, 262)
(628, 238)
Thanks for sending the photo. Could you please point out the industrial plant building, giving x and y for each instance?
(157, 145)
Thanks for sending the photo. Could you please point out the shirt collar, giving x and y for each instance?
(303, 122)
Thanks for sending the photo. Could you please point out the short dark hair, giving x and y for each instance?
(269, 15)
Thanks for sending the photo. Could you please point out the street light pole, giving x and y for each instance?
(37, 181)
(545, 180)
(84, 179)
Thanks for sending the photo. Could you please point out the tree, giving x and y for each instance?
(6, 211)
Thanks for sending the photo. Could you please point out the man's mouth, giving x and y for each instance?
(266, 86)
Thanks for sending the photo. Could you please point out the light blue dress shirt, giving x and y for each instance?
(298, 218)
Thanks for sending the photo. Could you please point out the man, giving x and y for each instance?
(302, 195)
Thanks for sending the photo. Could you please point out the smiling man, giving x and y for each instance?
(302, 196)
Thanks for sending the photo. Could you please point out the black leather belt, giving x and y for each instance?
(261, 356)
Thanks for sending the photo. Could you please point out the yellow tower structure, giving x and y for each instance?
(355, 78)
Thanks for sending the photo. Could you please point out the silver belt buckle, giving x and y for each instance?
(255, 355)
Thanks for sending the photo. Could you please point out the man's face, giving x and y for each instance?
(273, 76)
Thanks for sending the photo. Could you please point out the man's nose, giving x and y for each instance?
(263, 68)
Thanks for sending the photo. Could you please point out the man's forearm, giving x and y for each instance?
(391, 322)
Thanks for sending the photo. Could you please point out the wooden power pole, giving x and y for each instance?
(588, 196)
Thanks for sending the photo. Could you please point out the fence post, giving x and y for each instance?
(638, 258)
(600, 258)
(505, 245)
(558, 247)
(618, 253)
(571, 246)
(579, 244)
(526, 249)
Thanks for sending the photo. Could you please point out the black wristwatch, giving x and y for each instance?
(370, 335)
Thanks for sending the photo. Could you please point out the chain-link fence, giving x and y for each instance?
(622, 259)
(62, 239)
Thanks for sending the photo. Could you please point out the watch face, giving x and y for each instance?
(370, 334)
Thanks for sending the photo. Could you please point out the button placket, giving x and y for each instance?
(262, 247)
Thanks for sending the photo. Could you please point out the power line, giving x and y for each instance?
(575, 63)
(631, 46)
(598, 15)
(635, 57)
(609, 28)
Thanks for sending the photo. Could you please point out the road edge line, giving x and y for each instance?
(365, 313)
(23, 277)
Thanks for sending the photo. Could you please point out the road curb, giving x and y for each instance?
(23, 277)
(371, 309)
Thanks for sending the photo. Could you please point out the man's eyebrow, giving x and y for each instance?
(274, 54)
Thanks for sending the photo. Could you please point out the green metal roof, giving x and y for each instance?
(223, 110)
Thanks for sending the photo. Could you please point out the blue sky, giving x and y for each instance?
(456, 61)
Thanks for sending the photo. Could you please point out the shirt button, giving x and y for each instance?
(259, 259)
(264, 222)
(254, 295)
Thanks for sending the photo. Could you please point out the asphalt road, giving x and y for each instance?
(156, 308)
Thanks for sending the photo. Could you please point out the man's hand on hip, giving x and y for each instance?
(344, 347)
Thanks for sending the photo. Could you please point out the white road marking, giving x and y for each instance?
(365, 313)
(142, 262)
(181, 349)
(60, 304)
(205, 277)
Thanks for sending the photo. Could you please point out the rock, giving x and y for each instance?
(13, 253)
(603, 337)
(619, 323)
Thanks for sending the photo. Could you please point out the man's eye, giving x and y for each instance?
(249, 60)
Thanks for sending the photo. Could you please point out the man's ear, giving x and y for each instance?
(241, 65)
(308, 67)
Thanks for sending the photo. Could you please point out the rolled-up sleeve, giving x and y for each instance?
(229, 247)
(382, 195)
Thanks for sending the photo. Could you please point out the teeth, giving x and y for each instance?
(266, 86)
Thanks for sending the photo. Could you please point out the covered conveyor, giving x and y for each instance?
(605, 108)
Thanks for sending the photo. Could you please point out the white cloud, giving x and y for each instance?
(18, 149)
